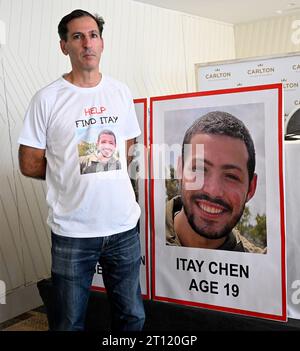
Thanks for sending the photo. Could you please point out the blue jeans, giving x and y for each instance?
(73, 267)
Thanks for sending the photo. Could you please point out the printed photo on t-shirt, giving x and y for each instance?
(98, 151)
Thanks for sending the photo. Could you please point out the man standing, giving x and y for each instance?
(204, 215)
(83, 229)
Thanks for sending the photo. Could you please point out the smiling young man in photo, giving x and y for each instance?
(204, 215)
(105, 159)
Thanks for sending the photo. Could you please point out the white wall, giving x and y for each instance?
(153, 50)
(268, 37)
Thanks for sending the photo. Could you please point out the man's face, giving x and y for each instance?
(106, 145)
(214, 209)
(83, 45)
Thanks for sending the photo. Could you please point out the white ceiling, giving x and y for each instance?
(231, 11)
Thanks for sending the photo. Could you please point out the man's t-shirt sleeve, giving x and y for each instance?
(34, 128)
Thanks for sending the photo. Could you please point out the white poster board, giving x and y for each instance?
(255, 71)
(251, 72)
(250, 283)
(292, 152)
(140, 185)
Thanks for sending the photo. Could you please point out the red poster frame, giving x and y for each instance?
(277, 87)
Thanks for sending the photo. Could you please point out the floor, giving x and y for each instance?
(35, 320)
(159, 317)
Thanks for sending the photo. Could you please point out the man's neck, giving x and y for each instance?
(189, 238)
(84, 79)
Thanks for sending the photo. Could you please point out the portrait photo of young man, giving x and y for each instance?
(206, 216)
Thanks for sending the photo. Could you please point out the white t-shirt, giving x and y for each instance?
(86, 198)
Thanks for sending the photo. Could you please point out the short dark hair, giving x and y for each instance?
(63, 24)
(223, 123)
(107, 132)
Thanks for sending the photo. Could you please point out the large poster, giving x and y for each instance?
(217, 200)
(257, 71)
(292, 152)
(138, 174)
(254, 71)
